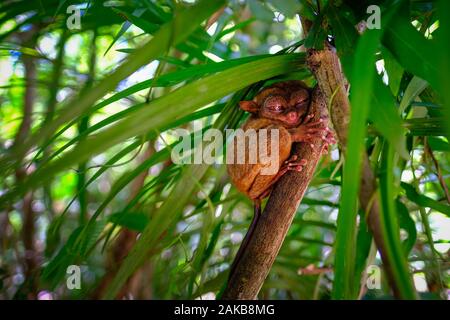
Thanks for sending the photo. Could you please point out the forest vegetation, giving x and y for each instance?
(91, 96)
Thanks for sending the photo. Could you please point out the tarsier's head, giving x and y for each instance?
(286, 102)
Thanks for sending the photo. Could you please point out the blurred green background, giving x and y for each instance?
(87, 119)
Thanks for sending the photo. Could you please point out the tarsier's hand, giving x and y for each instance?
(309, 131)
(293, 163)
(328, 139)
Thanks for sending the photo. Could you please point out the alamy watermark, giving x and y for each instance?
(73, 21)
(374, 20)
(246, 147)
(373, 280)
(74, 277)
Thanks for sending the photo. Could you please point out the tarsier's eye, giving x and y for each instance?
(300, 98)
(275, 103)
(301, 104)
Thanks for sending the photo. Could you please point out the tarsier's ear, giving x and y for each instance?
(249, 106)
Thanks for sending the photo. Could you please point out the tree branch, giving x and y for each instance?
(28, 38)
(272, 227)
(326, 67)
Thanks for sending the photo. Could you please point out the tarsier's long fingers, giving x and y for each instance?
(322, 121)
(315, 133)
(315, 130)
(294, 164)
(308, 117)
(301, 162)
(292, 158)
(328, 140)
(297, 168)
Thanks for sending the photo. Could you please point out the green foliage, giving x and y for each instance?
(106, 99)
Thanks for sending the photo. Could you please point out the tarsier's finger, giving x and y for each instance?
(319, 148)
(301, 162)
(315, 123)
(329, 138)
(283, 170)
(322, 122)
(315, 130)
(296, 168)
(309, 117)
(292, 158)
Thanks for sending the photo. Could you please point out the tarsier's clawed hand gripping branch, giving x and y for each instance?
(283, 106)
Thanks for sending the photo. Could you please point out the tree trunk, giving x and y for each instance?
(263, 247)
(326, 67)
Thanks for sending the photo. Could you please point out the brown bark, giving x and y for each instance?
(326, 67)
(214, 17)
(28, 39)
(438, 173)
(263, 247)
(121, 247)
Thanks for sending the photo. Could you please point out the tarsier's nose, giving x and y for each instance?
(292, 116)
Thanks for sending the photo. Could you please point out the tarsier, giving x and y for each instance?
(283, 106)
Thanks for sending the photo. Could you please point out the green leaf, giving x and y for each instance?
(415, 53)
(390, 228)
(307, 10)
(212, 285)
(186, 21)
(317, 34)
(119, 115)
(346, 37)
(288, 8)
(261, 11)
(173, 78)
(172, 206)
(362, 82)
(383, 111)
(363, 244)
(406, 223)
(123, 29)
(438, 144)
(423, 200)
(386, 118)
(236, 27)
(393, 69)
(127, 177)
(414, 88)
(426, 126)
(135, 221)
(160, 112)
(24, 50)
(443, 51)
(74, 251)
(136, 19)
(53, 236)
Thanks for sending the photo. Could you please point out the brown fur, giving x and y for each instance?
(247, 177)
